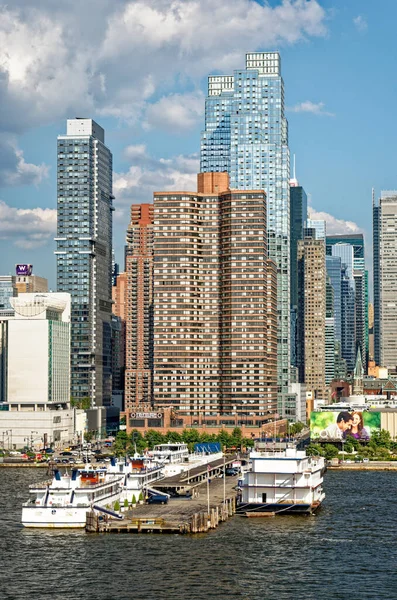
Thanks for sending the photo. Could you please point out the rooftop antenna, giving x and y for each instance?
(373, 196)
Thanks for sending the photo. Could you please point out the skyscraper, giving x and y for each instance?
(320, 227)
(139, 308)
(376, 212)
(298, 218)
(385, 277)
(215, 338)
(246, 135)
(360, 274)
(312, 315)
(334, 272)
(84, 254)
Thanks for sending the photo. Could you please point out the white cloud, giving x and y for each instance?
(147, 175)
(360, 23)
(175, 113)
(14, 170)
(315, 108)
(111, 57)
(27, 227)
(335, 226)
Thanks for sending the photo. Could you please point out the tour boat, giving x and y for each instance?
(139, 473)
(64, 500)
(282, 480)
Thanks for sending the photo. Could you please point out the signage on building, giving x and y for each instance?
(145, 415)
(23, 269)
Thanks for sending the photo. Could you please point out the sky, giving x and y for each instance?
(140, 68)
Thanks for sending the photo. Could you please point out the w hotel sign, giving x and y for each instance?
(23, 269)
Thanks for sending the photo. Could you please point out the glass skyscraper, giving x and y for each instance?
(84, 254)
(246, 134)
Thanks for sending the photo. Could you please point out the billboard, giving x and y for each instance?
(23, 269)
(343, 425)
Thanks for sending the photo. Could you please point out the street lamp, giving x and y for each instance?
(31, 439)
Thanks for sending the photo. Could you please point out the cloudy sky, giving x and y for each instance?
(140, 67)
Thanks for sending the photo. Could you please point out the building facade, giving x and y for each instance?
(246, 135)
(214, 301)
(385, 276)
(298, 218)
(312, 315)
(139, 308)
(8, 289)
(84, 254)
(360, 276)
(31, 284)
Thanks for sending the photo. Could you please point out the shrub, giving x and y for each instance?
(133, 499)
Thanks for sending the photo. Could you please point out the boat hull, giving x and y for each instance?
(277, 509)
(54, 517)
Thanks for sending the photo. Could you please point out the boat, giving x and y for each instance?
(139, 474)
(64, 500)
(170, 453)
(281, 480)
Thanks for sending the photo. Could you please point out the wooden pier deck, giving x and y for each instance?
(180, 515)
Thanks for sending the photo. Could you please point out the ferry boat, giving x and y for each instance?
(177, 459)
(282, 480)
(170, 453)
(64, 500)
(139, 473)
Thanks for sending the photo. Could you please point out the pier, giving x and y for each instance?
(181, 515)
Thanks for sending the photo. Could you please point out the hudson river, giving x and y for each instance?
(348, 551)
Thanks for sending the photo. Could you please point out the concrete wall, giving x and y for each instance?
(27, 361)
(18, 429)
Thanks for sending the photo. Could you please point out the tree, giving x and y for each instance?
(121, 444)
(330, 451)
(153, 437)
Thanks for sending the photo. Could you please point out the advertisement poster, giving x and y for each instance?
(342, 425)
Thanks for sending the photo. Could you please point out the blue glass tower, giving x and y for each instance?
(84, 254)
(246, 134)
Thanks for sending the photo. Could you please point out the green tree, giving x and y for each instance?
(121, 444)
(153, 437)
(191, 436)
(315, 449)
(330, 451)
(380, 438)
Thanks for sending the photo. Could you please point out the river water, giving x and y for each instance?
(348, 551)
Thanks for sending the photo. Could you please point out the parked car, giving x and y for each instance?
(66, 453)
(231, 471)
(158, 499)
(365, 459)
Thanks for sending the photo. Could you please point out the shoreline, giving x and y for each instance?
(375, 466)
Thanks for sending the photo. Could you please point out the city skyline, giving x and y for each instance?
(155, 136)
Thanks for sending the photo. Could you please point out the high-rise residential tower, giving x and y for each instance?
(246, 135)
(385, 277)
(312, 315)
(215, 298)
(84, 254)
(139, 308)
(298, 218)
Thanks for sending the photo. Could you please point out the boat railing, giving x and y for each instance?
(40, 486)
(92, 486)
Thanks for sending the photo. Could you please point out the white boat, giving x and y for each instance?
(139, 473)
(170, 453)
(282, 480)
(64, 500)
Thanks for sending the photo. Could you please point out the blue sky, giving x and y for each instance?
(139, 68)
